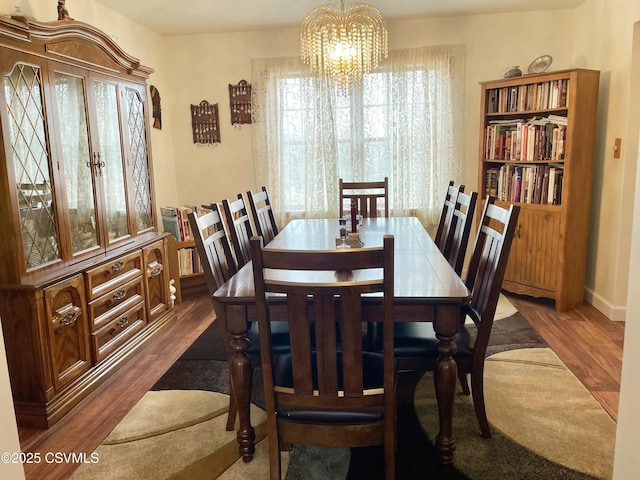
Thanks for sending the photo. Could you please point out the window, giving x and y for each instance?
(405, 123)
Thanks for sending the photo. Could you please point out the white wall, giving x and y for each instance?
(603, 36)
(9, 442)
(627, 461)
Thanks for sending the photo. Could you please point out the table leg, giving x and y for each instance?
(446, 326)
(241, 377)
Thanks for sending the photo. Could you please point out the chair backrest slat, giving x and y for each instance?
(446, 216)
(458, 236)
(240, 230)
(487, 266)
(212, 246)
(324, 312)
(366, 196)
(263, 217)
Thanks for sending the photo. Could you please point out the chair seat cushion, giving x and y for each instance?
(418, 339)
(281, 342)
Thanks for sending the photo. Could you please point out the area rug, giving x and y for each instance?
(544, 423)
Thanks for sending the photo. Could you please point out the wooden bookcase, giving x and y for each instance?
(523, 134)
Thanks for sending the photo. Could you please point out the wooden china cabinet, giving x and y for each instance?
(84, 277)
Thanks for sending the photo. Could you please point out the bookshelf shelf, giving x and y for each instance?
(187, 266)
(537, 135)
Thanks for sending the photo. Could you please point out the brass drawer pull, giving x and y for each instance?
(66, 317)
(123, 322)
(116, 267)
(69, 319)
(155, 271)
(119, 294)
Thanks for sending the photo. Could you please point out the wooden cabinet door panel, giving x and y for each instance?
(157, 279)
(68, 330)
(535, 252)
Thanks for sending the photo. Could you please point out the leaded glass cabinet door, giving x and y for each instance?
(30, 157)
(108, 155)
(139, 157)
(77, 164)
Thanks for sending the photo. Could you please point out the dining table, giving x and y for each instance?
(426, 289)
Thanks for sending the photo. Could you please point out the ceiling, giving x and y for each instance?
(180, 17)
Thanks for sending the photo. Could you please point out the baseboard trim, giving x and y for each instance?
(612, 312)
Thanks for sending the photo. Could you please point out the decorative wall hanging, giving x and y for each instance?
(156, 109)
(205, 123)
(240, 102)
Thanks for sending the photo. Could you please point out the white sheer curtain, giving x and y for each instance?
(406, 123)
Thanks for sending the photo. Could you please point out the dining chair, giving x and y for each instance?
(263, 217)
(218, 264)
(455, 246)
(212, 246)
(366, 196)
(416, 345)
(334, 394)
(446, 216)
(240, 231)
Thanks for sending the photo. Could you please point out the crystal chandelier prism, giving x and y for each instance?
(343, 42)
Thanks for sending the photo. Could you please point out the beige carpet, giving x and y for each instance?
(533, 398)
(178, 435)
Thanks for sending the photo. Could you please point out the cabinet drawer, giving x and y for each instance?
(115, 302)
(117, 332)
(113, 274)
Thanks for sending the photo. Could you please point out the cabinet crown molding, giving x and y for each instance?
(74, 41)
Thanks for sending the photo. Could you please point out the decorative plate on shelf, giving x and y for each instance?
(540, 64)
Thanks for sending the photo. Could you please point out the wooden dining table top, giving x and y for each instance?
(421, 271)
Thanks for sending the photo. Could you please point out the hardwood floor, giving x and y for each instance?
(588, 343)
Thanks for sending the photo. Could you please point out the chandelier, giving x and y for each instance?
(343, 42)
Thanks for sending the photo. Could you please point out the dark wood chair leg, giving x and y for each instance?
(462, 376)
(477, 385)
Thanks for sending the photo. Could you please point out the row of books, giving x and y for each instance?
(540, 184)
(175, 220)
(539, 138)
(188, 261)
(525, 98)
